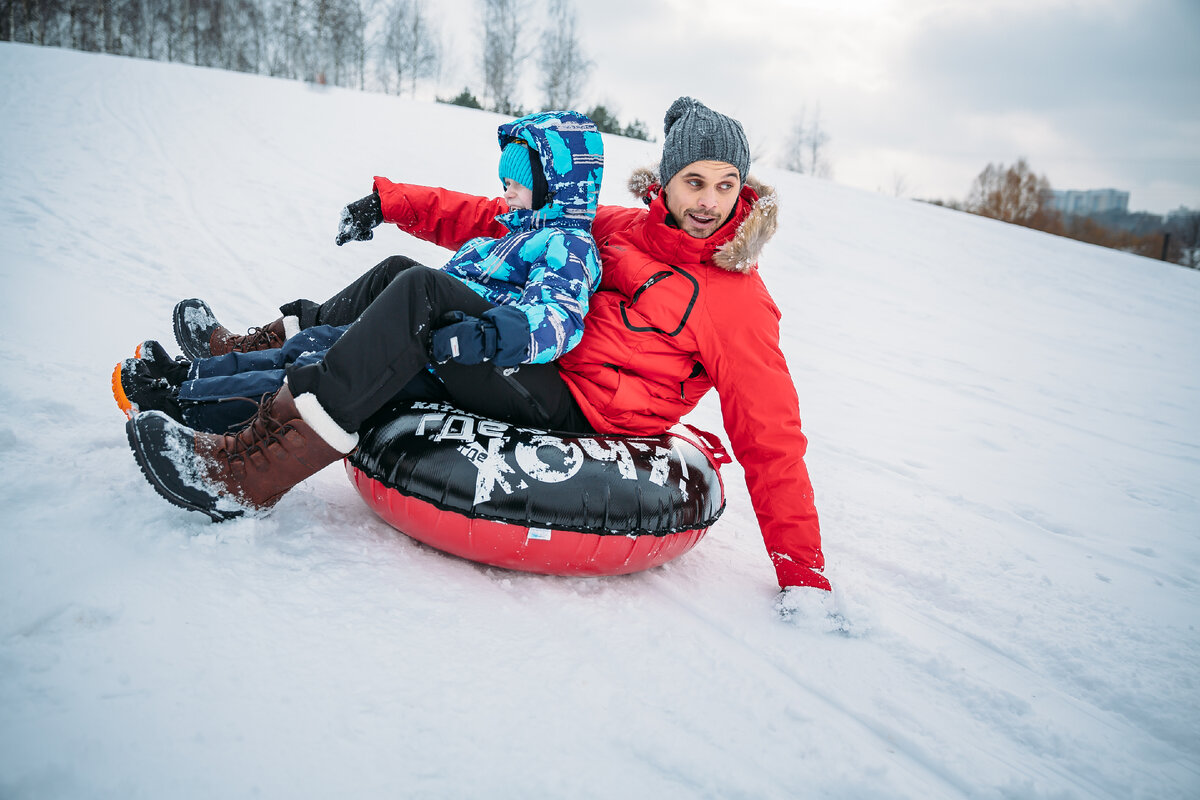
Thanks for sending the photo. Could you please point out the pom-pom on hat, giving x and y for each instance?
(516, 164)
(697, 133)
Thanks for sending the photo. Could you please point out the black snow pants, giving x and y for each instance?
(383, 356)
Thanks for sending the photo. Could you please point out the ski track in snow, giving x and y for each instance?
(1004, 447)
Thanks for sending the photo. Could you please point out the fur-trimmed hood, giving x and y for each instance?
(742, 250)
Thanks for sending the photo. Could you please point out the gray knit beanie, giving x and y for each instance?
(697, 133)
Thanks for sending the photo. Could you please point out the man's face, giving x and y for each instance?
(701, 196)
(516, 195)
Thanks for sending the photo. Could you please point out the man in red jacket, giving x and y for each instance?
(680, 310)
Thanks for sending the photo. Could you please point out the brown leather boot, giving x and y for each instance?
(224, 475)
(201, 336)
(222, 340)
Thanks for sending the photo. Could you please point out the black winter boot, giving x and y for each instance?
(136, 389)
(161, 365)
(201, 336)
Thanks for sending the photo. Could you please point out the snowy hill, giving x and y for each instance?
(1005, 446)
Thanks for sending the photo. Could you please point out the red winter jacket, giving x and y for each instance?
(674, 317)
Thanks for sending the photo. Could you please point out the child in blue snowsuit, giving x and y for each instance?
(539, 276)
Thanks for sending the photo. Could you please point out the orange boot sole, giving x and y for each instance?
(118, 391)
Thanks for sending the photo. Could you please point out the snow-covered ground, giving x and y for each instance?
(1005, 446)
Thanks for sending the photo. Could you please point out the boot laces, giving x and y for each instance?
(257, 339)
(256, 433)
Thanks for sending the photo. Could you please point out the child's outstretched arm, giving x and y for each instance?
(437, 215)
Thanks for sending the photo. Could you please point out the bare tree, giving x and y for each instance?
(338, 34)
(293, 56)
(503, 22)
(324, 29)
(1184, 226)
(358, 19)
(806, 146)
(82, 25)
(286, 38)
(564, 69)
(1012, 194)
(104, 12)
(410, 47)
(249, 29)
(170, 16)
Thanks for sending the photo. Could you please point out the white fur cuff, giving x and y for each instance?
(319, 420)
(291, 326)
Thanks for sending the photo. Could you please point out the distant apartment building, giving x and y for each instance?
(1089, 203)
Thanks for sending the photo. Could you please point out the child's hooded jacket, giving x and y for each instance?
(540, 274)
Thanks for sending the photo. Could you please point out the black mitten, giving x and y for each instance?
(359, 218)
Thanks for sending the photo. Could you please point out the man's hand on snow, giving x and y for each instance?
(813, 609)
(359, 218)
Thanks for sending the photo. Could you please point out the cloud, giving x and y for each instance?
(1094, 94)
(1138, 56)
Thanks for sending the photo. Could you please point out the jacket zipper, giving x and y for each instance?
(655, 278)
(696, 370)
(520, 389)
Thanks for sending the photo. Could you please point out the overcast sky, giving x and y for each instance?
(918, 93)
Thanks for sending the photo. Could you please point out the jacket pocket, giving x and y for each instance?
(666, 309)
(694, 385)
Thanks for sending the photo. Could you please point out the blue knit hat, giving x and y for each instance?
(515, 164)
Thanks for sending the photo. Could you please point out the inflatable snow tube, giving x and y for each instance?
(537, 501)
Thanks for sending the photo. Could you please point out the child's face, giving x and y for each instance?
(516, 195)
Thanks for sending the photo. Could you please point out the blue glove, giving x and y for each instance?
(467, 340)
